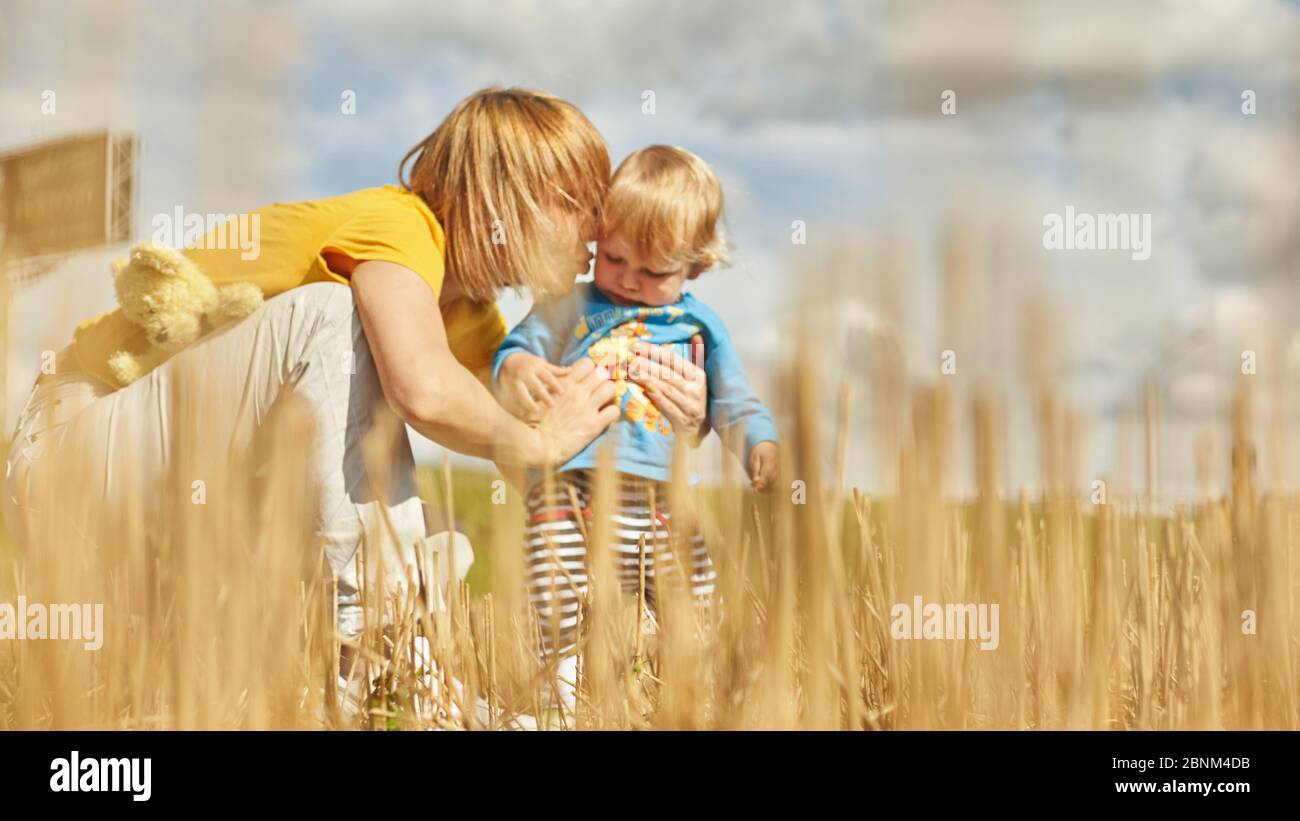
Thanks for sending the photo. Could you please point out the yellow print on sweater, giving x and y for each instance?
(614, 352)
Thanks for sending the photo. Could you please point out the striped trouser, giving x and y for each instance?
(556, 550)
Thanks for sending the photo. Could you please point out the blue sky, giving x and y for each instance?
(826, 112)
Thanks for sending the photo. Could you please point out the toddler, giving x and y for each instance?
(660, 230)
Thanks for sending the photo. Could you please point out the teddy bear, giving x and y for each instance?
(174, 303)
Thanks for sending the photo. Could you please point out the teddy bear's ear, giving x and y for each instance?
(160, 258)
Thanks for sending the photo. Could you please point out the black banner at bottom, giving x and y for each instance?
(215, 770)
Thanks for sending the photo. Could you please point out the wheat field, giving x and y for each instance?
(219, 615)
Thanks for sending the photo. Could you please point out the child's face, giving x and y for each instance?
(629, 280)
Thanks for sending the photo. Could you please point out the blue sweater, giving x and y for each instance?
(587, 323)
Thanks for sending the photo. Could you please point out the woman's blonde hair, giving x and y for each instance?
(667, 203)
(495, 172)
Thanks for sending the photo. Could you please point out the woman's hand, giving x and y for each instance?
(579, 414)
(676, 386)
(529, 385)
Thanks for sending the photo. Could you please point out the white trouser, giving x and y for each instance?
(307, 340)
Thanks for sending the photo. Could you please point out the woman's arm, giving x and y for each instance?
(432, 392)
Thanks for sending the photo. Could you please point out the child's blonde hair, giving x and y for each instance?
(495, 170)
(667, 203)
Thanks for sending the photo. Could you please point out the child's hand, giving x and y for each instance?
(762, 467)
(529, 384)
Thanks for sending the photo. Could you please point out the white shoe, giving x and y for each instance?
(563, 693)
(353, 697)
(483, 713)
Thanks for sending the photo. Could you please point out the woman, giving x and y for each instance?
(506, 192)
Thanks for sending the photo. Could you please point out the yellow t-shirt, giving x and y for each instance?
(294, 239)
